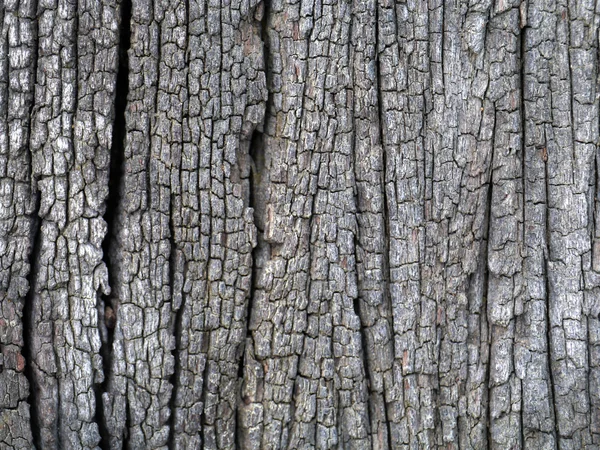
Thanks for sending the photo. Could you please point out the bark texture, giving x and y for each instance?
(299, 224)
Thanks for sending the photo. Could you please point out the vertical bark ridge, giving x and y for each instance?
(70, 141)
(531, 343)
(97, 53)
(583, 62)
(403, 42)
(571, 140)
(310, 225)
(138, 390)
(213, 229)
(46, 303)
(461, 125)
(279, 307)
(192, 234)
(405, 149)
(331, 363)
(548, 327)
(506, 222)
(469, 273)
(17, 219)
(373, 302)
(594, 311)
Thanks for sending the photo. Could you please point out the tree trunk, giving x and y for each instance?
(282, 224)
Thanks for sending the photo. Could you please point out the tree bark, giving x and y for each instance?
(281, 224)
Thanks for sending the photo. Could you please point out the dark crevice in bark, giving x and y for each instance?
(356, 301)
(100, 419)
(363, 337)
(311, 219)
(264, 36)
(127, 428)
(523, 50)
(178, 306)
(256, 157)
(484, 308)
(256, 153)
(177, 327)
(488, 214)
(571, 100)
(32, 100)
(118, 140)
(107, 309)
(27, 318)
(552, 400)
(28, 324)
(181, 307)
(204, 349)
(522, 53)
(175, 376)
(594, 215)
(385, 211)
(256, 200)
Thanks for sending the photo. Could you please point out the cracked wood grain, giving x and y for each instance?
(271, 224)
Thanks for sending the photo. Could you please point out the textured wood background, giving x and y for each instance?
(298, 224)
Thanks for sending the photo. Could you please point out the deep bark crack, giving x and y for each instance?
(547, 296)
(256, 153)
(34, 259)
(385, 210)
(107, 312)
(256, 160)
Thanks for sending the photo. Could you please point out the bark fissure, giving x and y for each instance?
(363, 338)
(385, 209)
(107, 309)
(117, 159)
(256, 202)
(34, 421)
(178, 325)
(203, 416)
(127, 428)
(522, 52)
(547, 289)
(571, 89)
(485, 307)
(32, 108)
(32, 399)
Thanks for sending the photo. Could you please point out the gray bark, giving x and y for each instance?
(252, 224)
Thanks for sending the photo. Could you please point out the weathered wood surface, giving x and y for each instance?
(342, 224)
